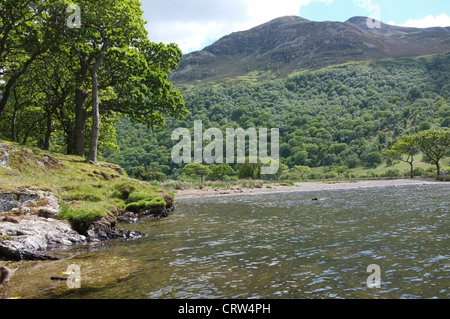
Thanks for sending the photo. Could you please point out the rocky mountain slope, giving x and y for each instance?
(291, 43)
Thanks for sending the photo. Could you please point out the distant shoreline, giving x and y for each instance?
(302, 187)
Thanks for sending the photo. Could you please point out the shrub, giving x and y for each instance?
(392, 173)
(419, 171)
(330, 175)
(373, 159)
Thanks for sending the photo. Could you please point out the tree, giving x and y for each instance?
(373, 159)
(302, 170)
(435, 144)
(249, 170)
(281, 168)
(197, 169)
(220, 171)
(116, 57)
(406, 146)
(20, 42)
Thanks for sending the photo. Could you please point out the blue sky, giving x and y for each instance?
(194, 24)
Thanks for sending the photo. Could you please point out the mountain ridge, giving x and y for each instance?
(291, 43)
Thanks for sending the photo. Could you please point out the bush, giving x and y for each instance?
(373, 159)
(392, 173)
(316, 175)
(419, 171)
(373, 174)
(444, 178)
(331, 175)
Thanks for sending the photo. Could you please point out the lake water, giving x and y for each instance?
(269, 246)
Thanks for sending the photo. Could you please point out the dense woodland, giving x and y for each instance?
(343, 116)
(98, 87)
(68, 71)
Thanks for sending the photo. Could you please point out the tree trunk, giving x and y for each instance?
(93, 146)
(80, 122)
(48, 132)
(28, 132)
(412, 169)
(80, 112)
(438, 169)
(13, 125)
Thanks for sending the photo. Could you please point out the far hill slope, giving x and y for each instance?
(292, 43)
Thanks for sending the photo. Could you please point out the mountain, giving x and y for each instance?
(292, 43)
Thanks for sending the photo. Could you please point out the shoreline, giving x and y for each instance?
(301, 187)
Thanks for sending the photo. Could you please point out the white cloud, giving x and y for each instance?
(195, 23)
(429, 21)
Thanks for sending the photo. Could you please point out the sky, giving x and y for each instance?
(195, 24)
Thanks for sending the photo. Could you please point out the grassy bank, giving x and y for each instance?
(87, 192)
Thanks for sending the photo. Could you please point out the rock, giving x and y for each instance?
(28, 225)
(119, 170)
(106, 229)
(9, 219)
(28, 201)
(4, 157)
(31, 237)
(128, 217)
(15, 251)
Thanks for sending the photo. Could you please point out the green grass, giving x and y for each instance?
(87, 192)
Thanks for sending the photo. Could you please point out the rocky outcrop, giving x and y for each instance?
(28, 237)
(106, 229)
(29, 227)
(30, 201)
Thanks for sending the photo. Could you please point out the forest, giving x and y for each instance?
(98, 88)
(338, 118)
(67, 72)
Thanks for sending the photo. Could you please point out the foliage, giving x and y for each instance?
(302, 170)
(197, 169)
(63, 88)
(219, 172)
(435, 144)
(249, 169)
(338, 116)
(405, 146)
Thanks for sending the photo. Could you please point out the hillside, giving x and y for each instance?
(49, 198)
(291, 43)
(340, 116)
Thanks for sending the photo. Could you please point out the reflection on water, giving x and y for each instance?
(271, 246)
